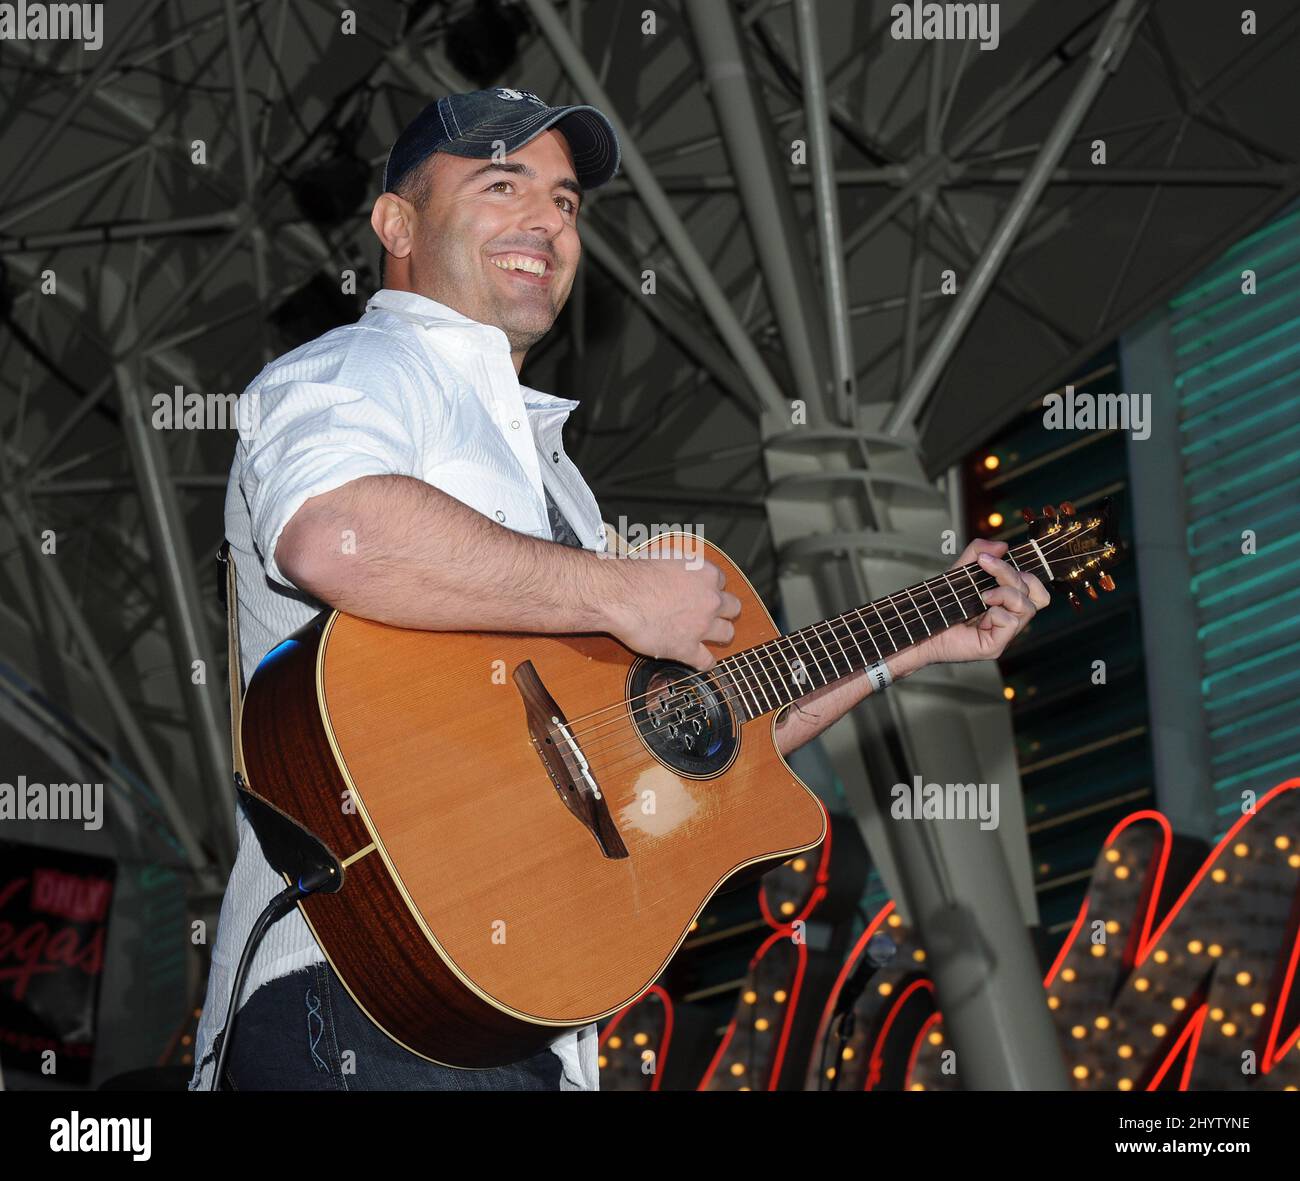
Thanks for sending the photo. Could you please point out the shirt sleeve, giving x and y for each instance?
(306, 438)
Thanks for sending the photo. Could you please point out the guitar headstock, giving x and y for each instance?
(1076, 547)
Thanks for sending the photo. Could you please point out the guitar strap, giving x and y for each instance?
(231, 599)
(292, 850)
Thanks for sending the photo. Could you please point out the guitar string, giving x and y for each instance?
(744, 689)
(1055, 543)
(628, 745)
(632, 738)
(817, 631)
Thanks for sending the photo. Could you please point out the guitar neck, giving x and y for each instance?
(767, 676)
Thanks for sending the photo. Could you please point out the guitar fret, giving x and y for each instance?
(955, 595)
(794, 676)
(888, 634)
(849, 627)
(816, 663)
(906, 630)
(938, 608)
(744, 678)
(870, 634)
(919, 612)
(775, 670)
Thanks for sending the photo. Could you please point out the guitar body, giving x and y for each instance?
(480, 917)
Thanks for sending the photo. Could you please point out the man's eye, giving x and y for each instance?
(494, 184)
(570, 206)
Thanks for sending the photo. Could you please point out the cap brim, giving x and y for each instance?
(589, 133)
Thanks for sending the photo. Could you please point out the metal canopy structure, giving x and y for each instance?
(909, 240)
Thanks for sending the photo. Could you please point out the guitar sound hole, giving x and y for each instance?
(681, 717)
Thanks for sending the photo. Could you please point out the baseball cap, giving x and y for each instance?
(470, 124)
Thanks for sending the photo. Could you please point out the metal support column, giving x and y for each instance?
(1103, 60)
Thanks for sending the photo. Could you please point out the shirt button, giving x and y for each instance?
(514, 425)
(555, 455)
(500, 515)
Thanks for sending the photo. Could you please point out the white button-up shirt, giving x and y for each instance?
(413, 388)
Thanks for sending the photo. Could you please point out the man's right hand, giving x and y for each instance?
(672, 606)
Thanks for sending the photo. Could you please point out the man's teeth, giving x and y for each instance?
(520, 262)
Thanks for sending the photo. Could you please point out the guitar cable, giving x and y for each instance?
(276, 909)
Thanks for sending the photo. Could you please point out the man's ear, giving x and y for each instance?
(391, 219)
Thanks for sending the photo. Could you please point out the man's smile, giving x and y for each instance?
(523, 265)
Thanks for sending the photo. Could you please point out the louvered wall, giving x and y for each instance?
(1236, 361)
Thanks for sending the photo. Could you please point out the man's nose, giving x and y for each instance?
(542, 215)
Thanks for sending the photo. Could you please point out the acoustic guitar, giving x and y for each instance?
(529, 824)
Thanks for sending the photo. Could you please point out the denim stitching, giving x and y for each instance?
(324, 972)
(313, 1010)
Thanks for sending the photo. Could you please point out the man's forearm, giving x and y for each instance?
(806, 717)
(397, 550)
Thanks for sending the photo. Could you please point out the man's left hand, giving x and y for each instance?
(1011, 605)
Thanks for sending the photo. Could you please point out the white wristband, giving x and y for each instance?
(881, 677)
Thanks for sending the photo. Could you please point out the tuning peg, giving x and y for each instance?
(1028, 515)
(1049, 513)
(1067, 509)
(1073, 600)
(1107, 582)
(1092, 590)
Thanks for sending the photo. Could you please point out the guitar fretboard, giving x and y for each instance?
(768, 676)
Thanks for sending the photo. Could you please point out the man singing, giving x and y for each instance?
(399, 471)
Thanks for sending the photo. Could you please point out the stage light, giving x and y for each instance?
(615, 1042)
(737, 1069)
(1102, 1022)
(1141, 984)
(1121, 872)
(750, 996)
(1195, 946)
(779, 996)
(1241, 848)
(885, 989)
(1161, 956)
(761, 1024)
(991, 463)
(995, 520)
(1079, 1031)
(1243, 978)
(1282, 842)
(1112, 855)
(798, 865)
(1008, 692)
(1220, 875)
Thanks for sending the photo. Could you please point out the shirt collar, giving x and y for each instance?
(429, 313)
(450, 325)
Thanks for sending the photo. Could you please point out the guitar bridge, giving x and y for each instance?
(562, 756)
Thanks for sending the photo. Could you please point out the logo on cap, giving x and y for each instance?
(515, 95)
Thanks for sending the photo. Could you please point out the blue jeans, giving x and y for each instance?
(304, 1032)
